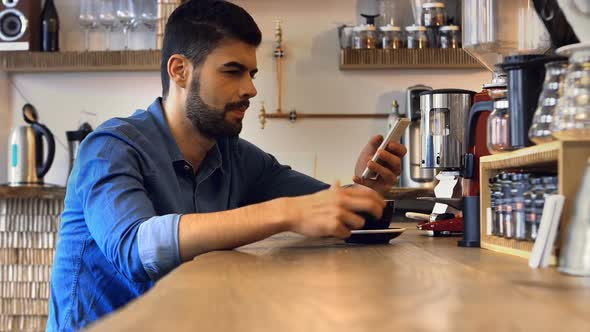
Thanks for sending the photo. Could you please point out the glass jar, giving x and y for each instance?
(529, 196)
(572, 116)
(499, 128)
(345, 34)
(538, 205)
(433, 14)
(507, 199)
(496, 203)
(416, 37)
(391, 37)
(387, 12)
(541, 128)
(450, 36)
(520, 184)
(433, 17)
(534, 202)
(364, 37)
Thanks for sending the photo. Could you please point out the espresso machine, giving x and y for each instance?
(414, 176)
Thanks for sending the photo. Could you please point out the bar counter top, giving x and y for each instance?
(415, 283)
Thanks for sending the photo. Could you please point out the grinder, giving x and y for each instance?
(445, 113)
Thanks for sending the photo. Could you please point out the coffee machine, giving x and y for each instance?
(413, 176)
(75, 138)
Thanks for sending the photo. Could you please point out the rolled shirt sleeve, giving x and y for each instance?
(120, 216)
(157, 242)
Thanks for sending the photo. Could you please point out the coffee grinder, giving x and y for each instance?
(444, 116)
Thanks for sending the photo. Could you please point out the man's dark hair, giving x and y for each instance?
(197, 27)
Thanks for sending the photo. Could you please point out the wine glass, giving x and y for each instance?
(87, 19)
(126, 16)
(149, 14)
(107, 19)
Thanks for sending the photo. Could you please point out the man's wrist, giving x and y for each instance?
(282, 213)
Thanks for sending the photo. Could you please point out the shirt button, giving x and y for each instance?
(187, 167)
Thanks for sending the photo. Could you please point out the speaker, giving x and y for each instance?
(19, 25)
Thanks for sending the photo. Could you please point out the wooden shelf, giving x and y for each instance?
(149, 60)
(567, 158)
(43, 192)
(91, 61)
(427, 58)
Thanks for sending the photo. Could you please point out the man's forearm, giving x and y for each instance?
(199, 233)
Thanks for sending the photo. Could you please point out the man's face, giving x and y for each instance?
(218, 95)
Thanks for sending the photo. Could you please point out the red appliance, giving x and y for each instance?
(476, 147)
(447, 227)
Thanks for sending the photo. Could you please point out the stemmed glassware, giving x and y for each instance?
(107, 20)
(148, 15)
(127, 17)
(88, 19)
(112, 14)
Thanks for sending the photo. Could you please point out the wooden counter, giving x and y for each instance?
(41, 192)
(417, 283)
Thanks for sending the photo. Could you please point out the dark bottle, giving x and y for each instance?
(49, 28)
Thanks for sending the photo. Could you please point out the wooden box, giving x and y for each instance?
(567, 158)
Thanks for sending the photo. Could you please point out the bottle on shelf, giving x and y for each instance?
(393, 115)
(49, 27)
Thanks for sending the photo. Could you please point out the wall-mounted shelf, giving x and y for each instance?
(91, 61)
(41, 192)
(149, 60)
(427, 58)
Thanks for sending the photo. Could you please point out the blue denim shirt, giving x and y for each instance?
(125, 195)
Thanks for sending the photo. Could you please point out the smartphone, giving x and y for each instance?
(395, 134)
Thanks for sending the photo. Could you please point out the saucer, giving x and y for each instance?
(374, 236)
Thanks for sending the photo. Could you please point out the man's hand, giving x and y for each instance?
(388, 173)
(331, 212)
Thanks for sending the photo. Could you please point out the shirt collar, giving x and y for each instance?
(156, 110)
(213, 159)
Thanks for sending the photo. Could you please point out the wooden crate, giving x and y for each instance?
(567, 158)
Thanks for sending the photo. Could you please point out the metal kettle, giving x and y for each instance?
(25, 164)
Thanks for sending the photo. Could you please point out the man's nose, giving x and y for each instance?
(248, 90)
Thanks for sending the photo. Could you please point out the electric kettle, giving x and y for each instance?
(26, 165)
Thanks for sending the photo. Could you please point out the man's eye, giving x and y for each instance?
(233, 72)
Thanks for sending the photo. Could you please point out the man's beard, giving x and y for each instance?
(209, 121)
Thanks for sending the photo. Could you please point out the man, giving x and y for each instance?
(167, 184)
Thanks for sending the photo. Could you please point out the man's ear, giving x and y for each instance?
(179, 70)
